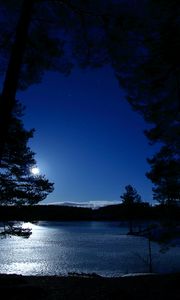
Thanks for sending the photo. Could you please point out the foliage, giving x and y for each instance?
(130, 197)
(150, 78)
(17, 183)
(39, 36)
(131, 201)
(61, 34)
(133, 37)
(165, 174)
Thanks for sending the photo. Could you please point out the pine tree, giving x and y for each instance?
(131, 196)
(133, 38)
(165, 174)
(17, 183)
(38, 36)
(151, 80)
(130, 199)
(150, 75)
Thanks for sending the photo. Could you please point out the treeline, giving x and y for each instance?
(66, 213)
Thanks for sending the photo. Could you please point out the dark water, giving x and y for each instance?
(56, 248)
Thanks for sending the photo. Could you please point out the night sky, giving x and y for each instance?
(88, 141)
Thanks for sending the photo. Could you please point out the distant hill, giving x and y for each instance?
(88, 204)
(70, 213)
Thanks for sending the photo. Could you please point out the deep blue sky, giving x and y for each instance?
(88, 141)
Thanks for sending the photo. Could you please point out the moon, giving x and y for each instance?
(35, 171)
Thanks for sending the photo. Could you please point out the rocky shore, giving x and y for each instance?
(141, 287)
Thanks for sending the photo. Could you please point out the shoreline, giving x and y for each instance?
(131, 286)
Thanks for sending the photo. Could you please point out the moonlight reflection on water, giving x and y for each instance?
(56, 248)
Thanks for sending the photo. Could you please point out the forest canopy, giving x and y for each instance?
(140, 40)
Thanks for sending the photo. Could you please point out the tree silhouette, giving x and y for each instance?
(165, 174)
(54, 35)
(133, 38)
(151, 75)
(129, 200)
(150, 78)
(17, 183)
(131, 196)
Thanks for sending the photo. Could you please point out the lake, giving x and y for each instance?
(57, 248)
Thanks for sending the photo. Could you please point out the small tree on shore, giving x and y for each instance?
(18, 185)
(129, 200)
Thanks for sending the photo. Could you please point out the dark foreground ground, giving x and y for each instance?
(160, 287)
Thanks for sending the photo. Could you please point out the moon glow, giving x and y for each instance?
(35, 171)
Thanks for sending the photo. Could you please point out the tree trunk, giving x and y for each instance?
(8, 96)
(130, 226)
(150, 253)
